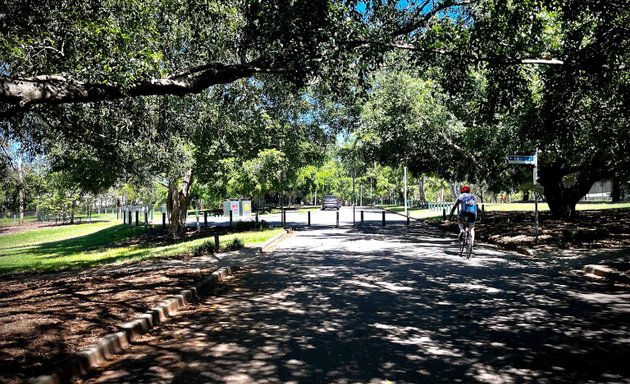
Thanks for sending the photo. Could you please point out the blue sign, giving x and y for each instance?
(522, 159)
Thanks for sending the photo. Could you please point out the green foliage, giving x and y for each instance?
(242, 226)
(407, 122)
(234, 245)
(206, 248)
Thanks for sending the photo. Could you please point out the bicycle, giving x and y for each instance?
(465, 243)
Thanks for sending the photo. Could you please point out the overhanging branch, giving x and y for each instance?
(24, 92)
(507, 61)
(465, 153)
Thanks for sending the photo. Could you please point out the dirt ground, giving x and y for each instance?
(517, 230)
(46, 318)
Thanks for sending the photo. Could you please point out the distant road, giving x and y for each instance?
(319, 218)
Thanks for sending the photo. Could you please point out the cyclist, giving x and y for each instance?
(467, 211)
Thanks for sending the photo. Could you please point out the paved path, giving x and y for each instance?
(387, 306)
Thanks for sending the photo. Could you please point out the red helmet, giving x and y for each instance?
(464, 189)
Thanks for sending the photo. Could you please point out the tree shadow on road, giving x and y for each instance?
(385, 305)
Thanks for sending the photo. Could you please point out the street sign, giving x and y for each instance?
(522, 159)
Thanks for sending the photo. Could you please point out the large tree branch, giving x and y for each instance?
(465, 153)
(58, 90)
(497, 60)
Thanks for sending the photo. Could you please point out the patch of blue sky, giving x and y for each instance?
(4, 69)
(455, 12)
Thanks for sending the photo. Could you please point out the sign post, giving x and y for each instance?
(529, 160)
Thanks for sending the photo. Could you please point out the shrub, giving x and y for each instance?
(207, 248)
(235, 244)
(242, 226)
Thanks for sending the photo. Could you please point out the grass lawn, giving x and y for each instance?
(88, 245)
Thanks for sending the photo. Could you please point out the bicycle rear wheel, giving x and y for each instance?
(469, 247)
(462, 246)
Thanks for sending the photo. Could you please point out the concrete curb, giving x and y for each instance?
(271, 243)
(117, 342)
(606, 272)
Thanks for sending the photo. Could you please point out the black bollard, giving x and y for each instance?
(231, 217)
(205, 218)
(130, 221)
(163, 220)
(337, 219)
(256, 216)
(361, 218)
(137, 221)
(308, 214)
(383, 218)
(216, 242)
(444, 213)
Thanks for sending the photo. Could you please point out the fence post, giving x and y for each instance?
(146, 218)
(130, 222)
(124, 217)
(444, 213)
(231, 218)
(163, 220)
(137, 215)
(308, 214)
(205, 218)
(216, 241)
(337, 219)
(256, 216)
(383, 218)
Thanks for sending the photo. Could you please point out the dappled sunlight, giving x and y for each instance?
(391, 307)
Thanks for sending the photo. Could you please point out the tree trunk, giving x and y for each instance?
(20, 187)
(616, 190)
(421, 192)
(562, 199)
(72, 212)
(177, 203)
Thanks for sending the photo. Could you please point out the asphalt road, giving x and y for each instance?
(388, 305)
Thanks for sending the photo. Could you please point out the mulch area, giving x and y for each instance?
(517, 230)
(46, 318)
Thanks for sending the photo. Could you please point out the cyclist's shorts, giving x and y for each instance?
(470, 217)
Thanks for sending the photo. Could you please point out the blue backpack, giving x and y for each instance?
(469, 203)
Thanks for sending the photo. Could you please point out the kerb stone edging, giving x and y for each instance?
(271, 243)
(117, 342)
(604, 271)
